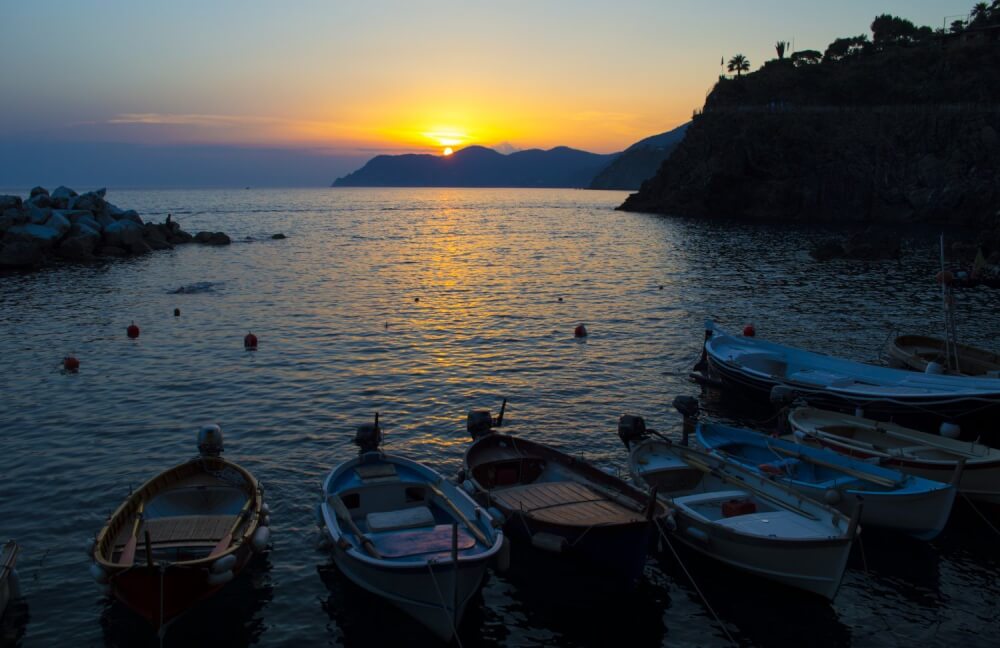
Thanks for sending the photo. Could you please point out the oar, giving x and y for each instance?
(740, 482)
(345, 516)
(930, 443)
(875, 479)
(480, 536)
(128, 553)
(228, 538)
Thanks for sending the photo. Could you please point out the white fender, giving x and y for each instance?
(98, 574)
(261, 537)
(220, 579)
(265, 509)
(548, 542)
(266, 521)
(697, 534)
(224, 564)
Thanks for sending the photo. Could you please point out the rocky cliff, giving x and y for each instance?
(893, 136)
(639, 162)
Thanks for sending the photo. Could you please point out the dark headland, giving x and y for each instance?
(639, 161)
(478, 166)
(899, 127)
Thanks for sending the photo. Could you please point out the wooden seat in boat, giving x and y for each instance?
(420, 542)
(376, 472)
(184, 530)
(565, 502)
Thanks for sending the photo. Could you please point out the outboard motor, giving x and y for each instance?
(783, 395)
(369, 436)
(631, 429)
(210, 441)
(479, 423)
(689, 409)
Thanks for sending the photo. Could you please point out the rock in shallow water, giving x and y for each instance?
(20, 254)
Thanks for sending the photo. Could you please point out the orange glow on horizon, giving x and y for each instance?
(447, 151)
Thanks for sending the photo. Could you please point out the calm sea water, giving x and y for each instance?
(422, 304)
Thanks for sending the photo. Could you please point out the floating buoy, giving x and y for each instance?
(749, 330)
(250, 341)
(177, 312)
(132, 330)
(560, 299)
(416, 299)
(661, 286)
(70, 363)
(580, 331)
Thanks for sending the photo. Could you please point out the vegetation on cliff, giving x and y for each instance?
(900, 126)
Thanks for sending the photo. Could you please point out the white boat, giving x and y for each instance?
(755, 367)
(916, 453)
(399, 530)
(9, 589)
(928, 354)
(744, 520)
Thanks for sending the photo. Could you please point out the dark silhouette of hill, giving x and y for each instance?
(639, 162)
(478, 166)
(903, 127)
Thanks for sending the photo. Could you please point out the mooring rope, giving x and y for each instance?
(444, 606)
(980, 513)
(695, 585)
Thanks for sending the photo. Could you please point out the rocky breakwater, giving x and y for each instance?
(70, 227)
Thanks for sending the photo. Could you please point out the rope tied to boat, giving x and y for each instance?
(444, 604)
(980, 513)
(694, 584)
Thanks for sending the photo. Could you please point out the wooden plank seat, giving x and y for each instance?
(565, 502)
(420, 542)
(184, 530)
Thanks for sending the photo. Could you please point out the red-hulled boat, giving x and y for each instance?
(183, 535)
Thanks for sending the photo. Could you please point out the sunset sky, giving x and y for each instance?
(338, 82)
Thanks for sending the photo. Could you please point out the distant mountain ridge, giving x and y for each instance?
(478, 166)
(639, 162)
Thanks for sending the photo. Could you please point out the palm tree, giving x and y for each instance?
(980, 12)
(781, 46)
(739, 64)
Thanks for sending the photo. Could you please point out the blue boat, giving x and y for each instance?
(891, 499)
(399, 530)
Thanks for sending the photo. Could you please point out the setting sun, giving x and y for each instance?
(448, 151)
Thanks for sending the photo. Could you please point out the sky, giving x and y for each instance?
(179, 92)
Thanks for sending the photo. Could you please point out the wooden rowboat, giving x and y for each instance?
(741, 519)
(916, 352)
(560, 504)
(915, 453)
(182, 535)
(399, 530)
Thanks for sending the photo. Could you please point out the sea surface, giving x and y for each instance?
(421, 305)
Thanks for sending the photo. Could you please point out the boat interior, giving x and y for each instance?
(398, 511)
(186, 512)
(772, 462)
(711, 499)
(883, 443)
(550, 491)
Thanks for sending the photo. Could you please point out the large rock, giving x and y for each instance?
(179, 237)
(122, 234)
(11, 217)
(63, 192)
(8, 202)
(140, 247)
(77, 215)
(59, 223)
(38, 215)
(40, 200)
(39, 191)
(44, 236)
(157, 236)
(88, 201)
(104, 219)
(80, 245)
(130, 214)
(212, 238)
(20, 254)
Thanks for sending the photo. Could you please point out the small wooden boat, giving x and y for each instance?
(742, 519)
(399, 530)
(915, 453)
(561, 504)
(927, 354)
(893, 500)
(182, 535)
(9, 589)
(754, 367)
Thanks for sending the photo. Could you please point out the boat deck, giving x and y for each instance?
(565, 502)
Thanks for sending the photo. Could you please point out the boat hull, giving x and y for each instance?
(913, 352)
(141, 590)
(815, 566)
(426, 592)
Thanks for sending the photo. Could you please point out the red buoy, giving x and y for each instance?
(749, 330)
(70, 363)
(250, 341)
(132, 330)
(580, 331)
